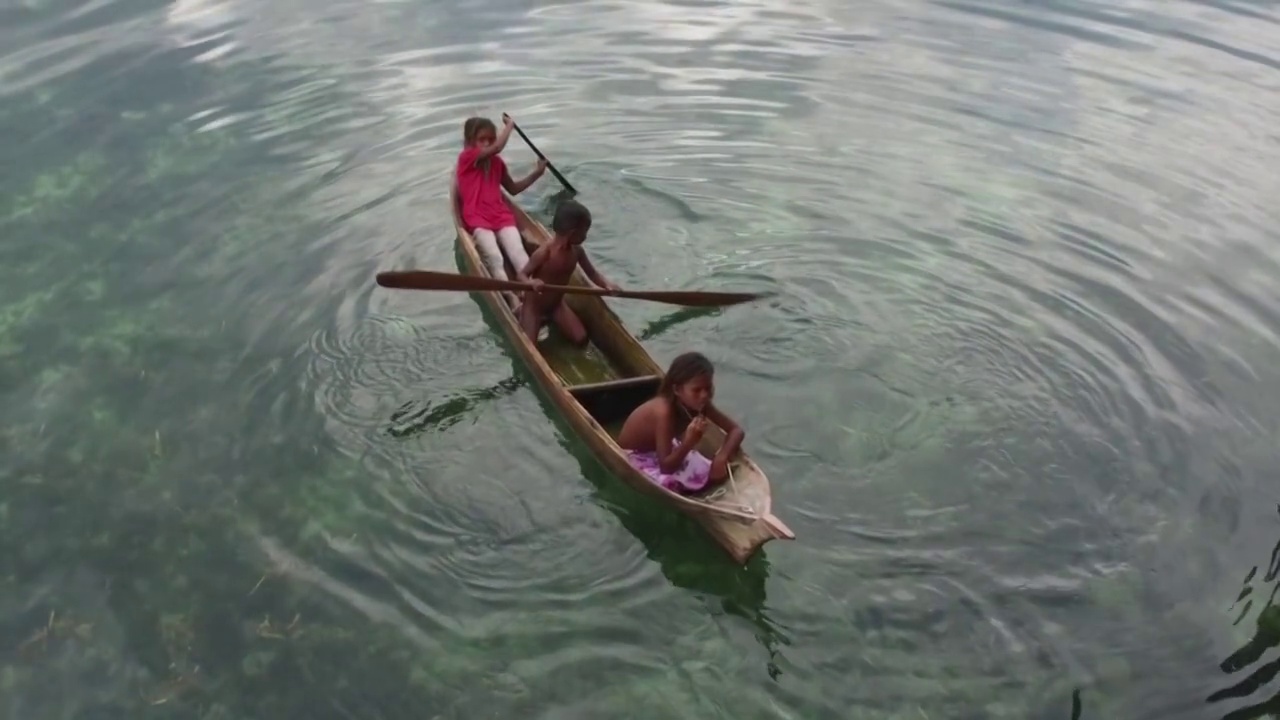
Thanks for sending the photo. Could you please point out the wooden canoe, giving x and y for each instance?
(737, 514)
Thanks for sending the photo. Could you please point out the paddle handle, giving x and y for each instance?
(538, 152)
(429, 280)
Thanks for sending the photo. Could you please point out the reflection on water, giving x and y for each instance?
(687, 560)
(413, 418)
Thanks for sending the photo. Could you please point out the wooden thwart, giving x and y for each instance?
(613, 400)
(620, 384)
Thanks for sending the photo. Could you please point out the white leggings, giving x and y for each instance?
(509, 236)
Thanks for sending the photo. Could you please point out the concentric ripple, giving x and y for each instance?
(366, 372)
(1013, 388)
(977, 377)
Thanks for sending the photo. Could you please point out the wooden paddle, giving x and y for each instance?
(538, 152)
(428, 280)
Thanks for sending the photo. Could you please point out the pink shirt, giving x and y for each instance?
(480, 192)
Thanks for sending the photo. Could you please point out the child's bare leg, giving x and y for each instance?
(570, 324)
(530, 323)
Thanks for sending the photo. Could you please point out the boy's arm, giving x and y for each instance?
(515, 187)
(539, 256)
(593, 273)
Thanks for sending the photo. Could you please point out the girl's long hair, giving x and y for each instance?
(472, 127)
(683, 369)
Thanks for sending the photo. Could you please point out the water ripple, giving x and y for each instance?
(1019, 354)
(361, 373)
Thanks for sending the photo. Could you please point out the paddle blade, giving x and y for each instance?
(693, 298)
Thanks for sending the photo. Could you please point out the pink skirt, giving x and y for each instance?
(690, 477)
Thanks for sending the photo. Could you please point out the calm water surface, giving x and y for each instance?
(1017, 391)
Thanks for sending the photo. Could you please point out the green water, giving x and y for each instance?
(1014, 391)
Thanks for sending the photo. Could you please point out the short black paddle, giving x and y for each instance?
(538, 152)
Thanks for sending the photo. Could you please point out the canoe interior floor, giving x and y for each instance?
(576, 365)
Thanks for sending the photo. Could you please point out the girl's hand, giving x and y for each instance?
(719, 469)
(693, 433)
(542, 166)
(508, 121)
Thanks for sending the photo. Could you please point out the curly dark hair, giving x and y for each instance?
(570, 216)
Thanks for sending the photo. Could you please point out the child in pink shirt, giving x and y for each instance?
(482, 175)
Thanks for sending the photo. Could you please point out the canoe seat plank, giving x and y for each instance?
(648, 381)
(611, 401)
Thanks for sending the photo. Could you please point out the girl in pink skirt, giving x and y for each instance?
(661, 435)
